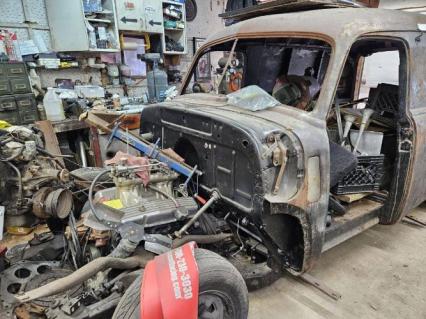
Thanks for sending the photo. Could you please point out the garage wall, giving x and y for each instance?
(14, 14)
(206, 23)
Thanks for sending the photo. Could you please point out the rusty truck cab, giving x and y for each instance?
(297, 180)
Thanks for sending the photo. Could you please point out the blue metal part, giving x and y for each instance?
(189, 177)
(148, 149)
(154, 152)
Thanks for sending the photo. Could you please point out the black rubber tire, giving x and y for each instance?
(216, 274)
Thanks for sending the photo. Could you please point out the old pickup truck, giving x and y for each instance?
(309, 129)
(340, 148)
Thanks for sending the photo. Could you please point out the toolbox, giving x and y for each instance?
(365, 178)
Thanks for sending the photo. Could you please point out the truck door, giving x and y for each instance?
(416, 137)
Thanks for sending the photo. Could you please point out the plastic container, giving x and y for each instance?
(53, 106)
(366, 178)
(370, 143)
(157, 85)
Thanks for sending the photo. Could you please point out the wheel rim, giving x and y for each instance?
(215, 305)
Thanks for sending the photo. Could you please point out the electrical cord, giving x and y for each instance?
(90, 196)
(18, 174)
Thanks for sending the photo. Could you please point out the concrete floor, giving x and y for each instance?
(380, 274)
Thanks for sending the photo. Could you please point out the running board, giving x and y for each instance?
(359, 218)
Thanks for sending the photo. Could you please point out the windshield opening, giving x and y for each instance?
(292, 70)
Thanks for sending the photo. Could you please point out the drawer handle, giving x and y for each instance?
(16, 71)
(3, 87)
(20, 86)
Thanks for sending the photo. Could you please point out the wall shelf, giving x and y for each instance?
(73, 30)
(175, 35)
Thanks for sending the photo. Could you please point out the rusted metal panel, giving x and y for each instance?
(416, 191)
(346, 23)
(341, 32)
(281, 6)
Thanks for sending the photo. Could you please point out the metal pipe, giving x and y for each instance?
(210, 202)
(18, 174)
(339, 123)
(82, 154)
(228, 200)
(90, 195)
(200, 239)
(245, 230)
(81, 275)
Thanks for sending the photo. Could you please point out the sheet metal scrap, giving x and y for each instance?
(282, 6)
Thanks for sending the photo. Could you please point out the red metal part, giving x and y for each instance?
(170, 285)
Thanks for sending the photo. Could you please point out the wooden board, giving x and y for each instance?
(350, 198)
(51, 140)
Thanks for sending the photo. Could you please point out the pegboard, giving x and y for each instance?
(15, 12)
(36, 10)
(11, 11)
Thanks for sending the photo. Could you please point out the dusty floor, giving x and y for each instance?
(380, 274)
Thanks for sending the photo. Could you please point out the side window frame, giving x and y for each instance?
(403, 70)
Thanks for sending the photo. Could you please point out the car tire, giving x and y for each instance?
(221, 288)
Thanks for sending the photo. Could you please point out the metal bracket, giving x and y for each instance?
(320, 286)
(415, 220)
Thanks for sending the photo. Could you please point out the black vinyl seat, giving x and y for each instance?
(342, 162)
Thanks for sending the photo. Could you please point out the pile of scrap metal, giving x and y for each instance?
(137, 207)
(33, 183)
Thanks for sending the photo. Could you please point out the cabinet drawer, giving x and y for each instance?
(15, 69)
(27, 107)
(5, 87)
(11, 117)
(25, 102)
(20, 85)
(28, 117)
(7, 104)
